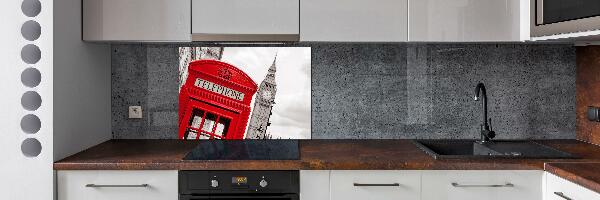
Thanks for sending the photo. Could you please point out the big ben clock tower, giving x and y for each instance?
(263, 104)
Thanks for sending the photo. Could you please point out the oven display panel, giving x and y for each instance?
(239, 180)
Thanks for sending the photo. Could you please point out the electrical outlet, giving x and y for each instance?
(135, 112)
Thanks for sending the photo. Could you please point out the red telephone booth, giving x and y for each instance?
(214, 102)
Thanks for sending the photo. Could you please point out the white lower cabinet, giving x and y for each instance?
(560, 189)
(341, 185)
(482, 185)
(422, 185)
(117, 185)
(375, 185)
(314, 184)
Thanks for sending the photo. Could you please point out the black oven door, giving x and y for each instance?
(245, 197)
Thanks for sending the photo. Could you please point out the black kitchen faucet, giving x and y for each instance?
(487, 134)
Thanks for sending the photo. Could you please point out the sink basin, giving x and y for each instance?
(470, 149)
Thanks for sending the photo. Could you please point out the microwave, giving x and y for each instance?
(553, 17)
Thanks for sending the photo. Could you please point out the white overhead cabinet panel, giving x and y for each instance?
(354, 20)
(468, 20)
(136, 20)
(245, 20)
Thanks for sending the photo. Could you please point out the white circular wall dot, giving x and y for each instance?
(30, 124)
(31, 30)
(31, 147)
(31, 100)
(31, 77)
(31, 8)
(31, 54)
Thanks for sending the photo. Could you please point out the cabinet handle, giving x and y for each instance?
(115, 186)
(493, 185)
(562, 195)
(376, 184)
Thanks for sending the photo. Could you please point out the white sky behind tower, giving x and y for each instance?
(292, 110)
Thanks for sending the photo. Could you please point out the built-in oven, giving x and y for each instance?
(552, 17)
(235, 185)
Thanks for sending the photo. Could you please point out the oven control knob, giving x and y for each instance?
(214, 183)
(263, 183)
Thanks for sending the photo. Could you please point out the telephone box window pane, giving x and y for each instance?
(222, 127)
(209, 122)
(204, 136)
(195, 122)
(196, 119)
(191, 135)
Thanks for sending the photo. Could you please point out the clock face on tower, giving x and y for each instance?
(266, 95)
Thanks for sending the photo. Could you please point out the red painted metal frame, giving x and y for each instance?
(226, 75)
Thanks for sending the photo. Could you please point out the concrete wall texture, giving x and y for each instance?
(383, 91)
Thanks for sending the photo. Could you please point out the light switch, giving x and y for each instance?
(135, 112)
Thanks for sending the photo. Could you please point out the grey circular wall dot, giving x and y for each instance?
(31, 54)
(31, 100)
(31, 77)
(31, 8)
(30, 124)
(31, 147)
(31, 30)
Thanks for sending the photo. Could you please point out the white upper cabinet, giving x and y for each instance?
(354, 20)
(307, 20)
(468, 20)
(136, 20)
(245, 20)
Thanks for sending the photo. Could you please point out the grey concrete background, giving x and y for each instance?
(377, 91)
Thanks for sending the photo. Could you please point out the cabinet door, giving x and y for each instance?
(468, 20)
(354, 20)
(376, 185)
(136, 20)
(239, 20)
(560, 189)
(314, 184)
(117, 185)
(478, 185)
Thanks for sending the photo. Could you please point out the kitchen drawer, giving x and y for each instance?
(345, 185)
(479, 184)
(162, 185)
(556, 186)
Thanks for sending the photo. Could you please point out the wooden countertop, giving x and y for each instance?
(584, 174)
(314, 155)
